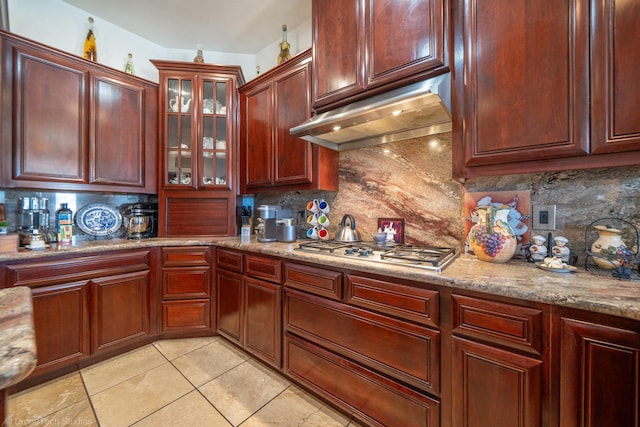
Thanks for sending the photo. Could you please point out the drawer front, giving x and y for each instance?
(407, 302)
(378, 401)
(229, 260)
(325, 283)
(263, 268)
(406, 351)
(506, 324)
(186, 282)
(190, 315)
(185, 256)
(52, 271)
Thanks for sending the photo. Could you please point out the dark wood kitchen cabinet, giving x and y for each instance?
(367, 349)
(71, 124)
(599, 370)
(361, 47)
(229, 294)
(271, 159)
(87, 308)
(499, 363)
(198, 109)
(545, 86)
(250, 303)
(186, 307)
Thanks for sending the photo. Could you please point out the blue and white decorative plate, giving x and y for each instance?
(98, 219)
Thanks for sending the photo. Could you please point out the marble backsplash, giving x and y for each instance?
(412, 180)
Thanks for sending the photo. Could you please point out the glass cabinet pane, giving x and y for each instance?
(221, 98)
(179, 132)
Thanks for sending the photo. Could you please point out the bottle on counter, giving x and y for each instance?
(64, 224)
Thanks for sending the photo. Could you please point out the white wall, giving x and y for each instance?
(60, 25)
(299, 38)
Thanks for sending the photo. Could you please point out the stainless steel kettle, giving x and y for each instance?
(348, 233)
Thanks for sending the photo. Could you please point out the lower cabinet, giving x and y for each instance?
(363, 344)
(599, 371)
(250, 303)
(61, 320)
(186, 308)
(120, 309)
(87, 307)
(498, 363)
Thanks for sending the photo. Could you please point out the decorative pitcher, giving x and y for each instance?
(606, 247)
(492, 238)
(184, 108)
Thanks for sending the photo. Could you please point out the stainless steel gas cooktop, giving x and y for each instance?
(426, 257)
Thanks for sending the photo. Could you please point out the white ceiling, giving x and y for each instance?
(237, 26)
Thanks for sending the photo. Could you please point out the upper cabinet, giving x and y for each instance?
(362, 47)
(71, 124)
(198, 112)
(271, 159)
(545, 85)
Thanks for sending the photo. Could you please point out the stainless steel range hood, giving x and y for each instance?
(412, 111)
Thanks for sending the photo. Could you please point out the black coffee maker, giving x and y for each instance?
(141, 220)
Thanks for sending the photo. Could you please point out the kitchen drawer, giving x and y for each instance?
(185, 256)
(405, 351)
(318, 281)
(263, 268)
(54, 271)
(407, 302)
(186, 282)
(505, 324)
(188, 315)
(229, 260)
(374, 399)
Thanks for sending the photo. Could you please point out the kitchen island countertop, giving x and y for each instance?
(17, 336)
(516, 279)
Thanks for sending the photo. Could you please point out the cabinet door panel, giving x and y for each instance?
(120, 311)
(230, 310)
(292, 107)
(493, 387)
(49, 119)
(525, 80)
(599, 375)
(117, 140)
(416, 43)
(258, 136)
(61, 320)
(338, 53)
(263, 320)
(615, 87)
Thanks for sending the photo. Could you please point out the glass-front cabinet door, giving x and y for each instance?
(213, 130)
(198, 132)
(179, 132)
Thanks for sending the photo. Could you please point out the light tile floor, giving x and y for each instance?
(184, 382)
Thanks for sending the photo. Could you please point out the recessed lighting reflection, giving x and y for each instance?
(397, 112)
(335, 128)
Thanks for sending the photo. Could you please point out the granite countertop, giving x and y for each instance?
(17, 336)
(517, 278)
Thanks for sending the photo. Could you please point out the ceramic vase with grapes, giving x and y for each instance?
(492, 238)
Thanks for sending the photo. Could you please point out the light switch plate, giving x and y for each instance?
(544, 217)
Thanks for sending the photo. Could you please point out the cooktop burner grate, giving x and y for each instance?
(426, 257)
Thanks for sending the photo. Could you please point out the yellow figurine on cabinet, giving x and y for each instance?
(284, 47)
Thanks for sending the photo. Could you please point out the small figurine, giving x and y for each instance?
(560, 249)
(538, 249)
(391, 233)
(128, 68)
(199, 59)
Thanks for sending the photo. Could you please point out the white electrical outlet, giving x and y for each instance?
(544, 217)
